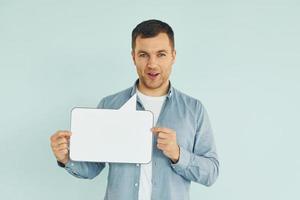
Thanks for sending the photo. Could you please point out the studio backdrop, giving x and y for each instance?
(239, 58)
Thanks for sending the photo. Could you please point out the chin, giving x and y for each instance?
(153, 85)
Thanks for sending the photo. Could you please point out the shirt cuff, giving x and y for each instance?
(184, 160)
(60, 164)
(68, 165)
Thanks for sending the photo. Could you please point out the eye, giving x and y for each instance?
(142, 55)
(161, 54)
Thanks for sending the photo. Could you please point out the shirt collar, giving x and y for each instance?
(169, 94)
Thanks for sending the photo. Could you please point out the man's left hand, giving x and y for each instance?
(166, 141)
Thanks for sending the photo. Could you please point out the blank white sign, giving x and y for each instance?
(106, 135)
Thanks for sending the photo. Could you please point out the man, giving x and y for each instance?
(183, 148)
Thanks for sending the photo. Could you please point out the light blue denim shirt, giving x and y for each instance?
(198, 159)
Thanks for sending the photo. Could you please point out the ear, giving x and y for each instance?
(173, 56)
(133, 56)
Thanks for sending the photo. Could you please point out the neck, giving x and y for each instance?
(162, 90)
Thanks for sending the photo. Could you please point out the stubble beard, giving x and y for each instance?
(150, 84)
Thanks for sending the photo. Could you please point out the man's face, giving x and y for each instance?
(153, 58)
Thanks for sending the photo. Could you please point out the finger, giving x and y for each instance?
(63, 151)
(164, 147)
(57, 143)
(66, 134)
(163, 135)
(56, 146)
(163, 141)
(162, 129)
(161, 146)
(59, 134)
(62, 146)
(62, 141)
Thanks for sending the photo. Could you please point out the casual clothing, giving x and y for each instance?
(197, 162)
(153, 104)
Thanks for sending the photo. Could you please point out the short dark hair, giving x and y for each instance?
(151, 28)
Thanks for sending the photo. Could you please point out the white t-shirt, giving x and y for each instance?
(153, 104)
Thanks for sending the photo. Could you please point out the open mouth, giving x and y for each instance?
(152, 75)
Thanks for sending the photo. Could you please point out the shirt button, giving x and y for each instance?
(135, 184)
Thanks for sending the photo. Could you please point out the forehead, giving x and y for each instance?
(153, 44)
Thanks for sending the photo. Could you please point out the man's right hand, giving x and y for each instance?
(60, 145)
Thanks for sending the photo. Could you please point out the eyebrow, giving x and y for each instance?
(159, 51)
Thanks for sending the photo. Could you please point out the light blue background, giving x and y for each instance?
(240, 58)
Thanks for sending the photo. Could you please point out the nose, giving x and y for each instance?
(151, 62)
